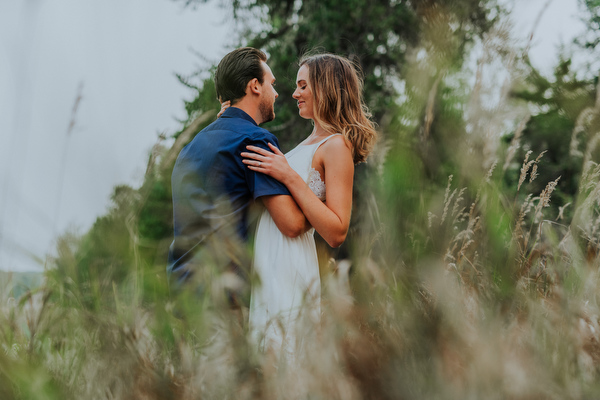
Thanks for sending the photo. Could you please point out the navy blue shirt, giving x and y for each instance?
(211, 186)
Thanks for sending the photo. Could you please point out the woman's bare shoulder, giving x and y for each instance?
(337, 143)
(335, 150)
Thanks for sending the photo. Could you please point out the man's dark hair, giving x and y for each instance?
(235, 70)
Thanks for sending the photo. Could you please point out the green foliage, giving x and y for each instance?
(379, 35)
(205, 99)
(592, 38)
(156, 214)
(556, 129)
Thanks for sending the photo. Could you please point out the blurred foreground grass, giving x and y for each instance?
(488, 304)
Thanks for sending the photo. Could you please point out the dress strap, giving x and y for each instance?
(327, 138)
(318, 144)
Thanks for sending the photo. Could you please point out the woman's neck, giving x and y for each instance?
(319, 132)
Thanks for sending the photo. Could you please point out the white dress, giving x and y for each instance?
(289, 285)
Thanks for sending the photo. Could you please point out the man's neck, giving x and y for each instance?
(251, 109)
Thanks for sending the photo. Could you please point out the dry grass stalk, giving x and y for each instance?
(583, 121)
(583, 124)
(561, 211)
(429, 114)
(589, 176)
(447, 199)
(518, 232)
(527, 165)
(524, 169)
(543, 202)
(459, 214)
(515, 142)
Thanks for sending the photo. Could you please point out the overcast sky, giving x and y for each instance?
(560, 23)
(120, 56)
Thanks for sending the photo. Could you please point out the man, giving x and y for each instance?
(213, 189)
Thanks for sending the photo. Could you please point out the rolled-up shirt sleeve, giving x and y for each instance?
(259, 183)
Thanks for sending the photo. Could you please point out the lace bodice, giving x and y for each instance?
(316, 184)
(300, 159)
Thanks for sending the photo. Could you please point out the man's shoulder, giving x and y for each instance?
(239, 128)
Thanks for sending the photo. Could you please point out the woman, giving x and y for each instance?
(329, 92)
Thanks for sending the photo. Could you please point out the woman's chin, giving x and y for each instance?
(303, 114)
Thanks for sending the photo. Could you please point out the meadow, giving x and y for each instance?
(469, 271)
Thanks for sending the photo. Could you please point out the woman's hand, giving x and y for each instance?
(224, 106)
(273, 163)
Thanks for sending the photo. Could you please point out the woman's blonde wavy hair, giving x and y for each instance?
(337, 87)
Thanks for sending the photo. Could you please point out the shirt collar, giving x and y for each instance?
(234, 112)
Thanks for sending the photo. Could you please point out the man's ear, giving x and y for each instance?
(254, 87)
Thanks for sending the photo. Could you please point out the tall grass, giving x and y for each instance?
(458, 288)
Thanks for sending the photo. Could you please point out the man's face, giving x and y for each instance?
(268, 96)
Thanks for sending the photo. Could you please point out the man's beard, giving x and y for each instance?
(266, 110)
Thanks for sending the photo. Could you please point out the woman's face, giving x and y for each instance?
(303, 94)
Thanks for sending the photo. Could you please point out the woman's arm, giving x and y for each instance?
(330, 219)
(224, 106)
(286, 214)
